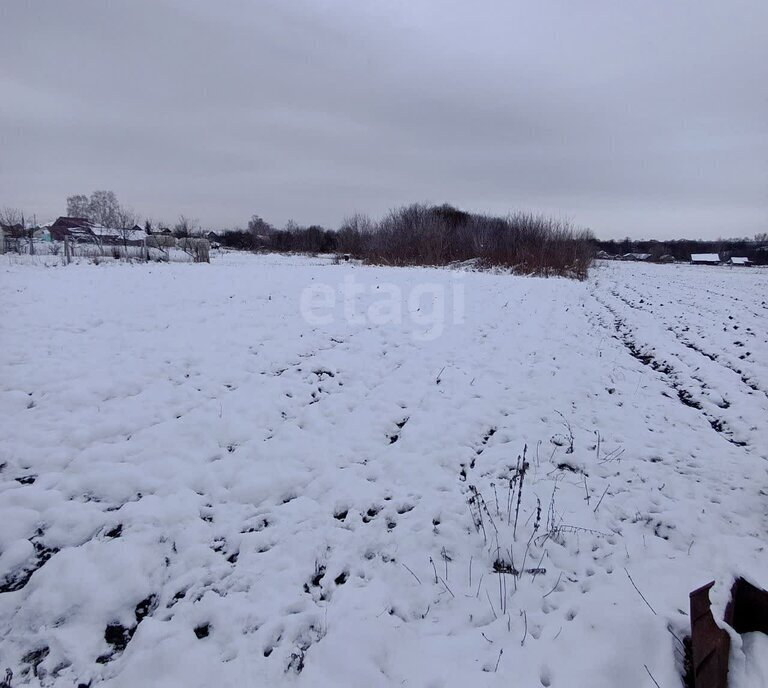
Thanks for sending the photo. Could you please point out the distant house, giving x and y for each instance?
(119, 237)
(740, 261)
(667, 258)
(636, 256)
(705, 259)
(77, 228)
(82, 229)
(42, 234)
(213, 239)
(604, 255)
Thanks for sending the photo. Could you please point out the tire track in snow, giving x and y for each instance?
(625, 334)
(715, 358)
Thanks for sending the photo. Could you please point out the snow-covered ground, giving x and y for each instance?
(275, 471)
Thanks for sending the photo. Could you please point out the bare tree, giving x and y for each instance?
(104, 208)
(354, 230)
(125, 220)
(13, 219)
(260, 230)
(185, 227)
(11, 216)
(78, 206)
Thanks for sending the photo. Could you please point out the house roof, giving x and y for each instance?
(77, 233)
(64, 221)
(738, 260)
(126, 234)
(78, 227)
(705, 258)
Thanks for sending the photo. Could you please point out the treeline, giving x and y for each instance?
(681, 249)
(436, 235)
(419, 234)
(314, 239)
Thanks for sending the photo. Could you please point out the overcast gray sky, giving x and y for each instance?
(646, 118)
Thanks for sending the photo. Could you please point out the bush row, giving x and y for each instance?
(441, 235)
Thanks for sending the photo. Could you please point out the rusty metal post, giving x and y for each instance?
(747, 610)
(710, 644)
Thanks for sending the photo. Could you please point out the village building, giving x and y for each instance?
(705, 259)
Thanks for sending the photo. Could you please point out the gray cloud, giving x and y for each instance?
(643, 119)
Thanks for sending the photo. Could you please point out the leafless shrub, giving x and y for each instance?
(161, 241)
(441, 235)
(433, 235)
(354, 233)
(185, 227)
(198, 249)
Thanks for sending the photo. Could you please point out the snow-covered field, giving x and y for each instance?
(211, 475)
